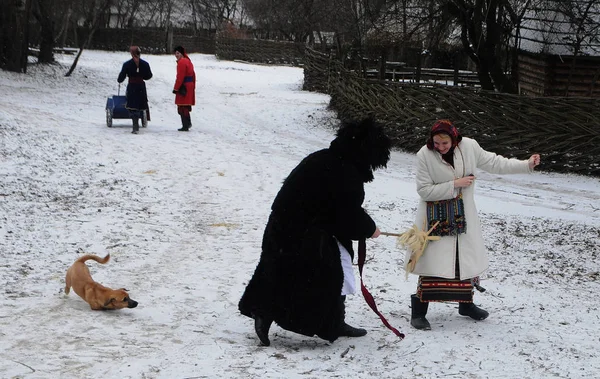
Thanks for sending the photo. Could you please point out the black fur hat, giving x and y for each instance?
(365, 144)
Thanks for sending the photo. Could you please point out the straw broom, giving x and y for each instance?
(415, 240)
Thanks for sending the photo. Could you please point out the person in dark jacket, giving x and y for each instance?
(137, 70)
(305, 268)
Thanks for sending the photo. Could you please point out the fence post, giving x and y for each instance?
(456, 64)
(418, 73)
(382, 64)
(169, 45)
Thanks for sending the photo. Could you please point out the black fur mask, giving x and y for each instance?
(363, 143)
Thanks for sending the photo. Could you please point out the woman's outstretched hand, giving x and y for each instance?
(534, 160)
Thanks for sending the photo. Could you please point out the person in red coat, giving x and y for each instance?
(185, 88)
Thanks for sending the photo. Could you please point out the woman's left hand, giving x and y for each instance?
(534, 160)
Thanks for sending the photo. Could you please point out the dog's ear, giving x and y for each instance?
(112, 299)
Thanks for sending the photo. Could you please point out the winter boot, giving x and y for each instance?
(261, 326)
(345, 329)
(418, 312)
(184, 124)
(136, 125)
(184, 127)
(473, 311)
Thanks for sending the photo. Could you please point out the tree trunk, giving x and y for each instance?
(14, 36)
(43, 16)
(483, 72)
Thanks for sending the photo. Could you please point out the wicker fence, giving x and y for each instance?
(260, 51)
(566, 131)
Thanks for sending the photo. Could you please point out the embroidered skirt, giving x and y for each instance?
(431, 288)
(441, 289)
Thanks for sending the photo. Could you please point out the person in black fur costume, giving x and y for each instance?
(299, 282)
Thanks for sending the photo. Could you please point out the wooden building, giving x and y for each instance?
(560, 50)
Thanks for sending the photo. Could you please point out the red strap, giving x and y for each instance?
(362, 253)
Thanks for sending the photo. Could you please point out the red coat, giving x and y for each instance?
(185, 76)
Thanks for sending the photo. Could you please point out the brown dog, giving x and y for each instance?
(96, 295)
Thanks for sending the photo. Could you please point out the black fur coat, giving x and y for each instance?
(298, 280)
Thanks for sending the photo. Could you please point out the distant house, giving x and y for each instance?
(560, 50)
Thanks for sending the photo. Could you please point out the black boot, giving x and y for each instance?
(262, 326)
(473, 311)
(418, 312)
(184, 125)
(136, 125)
(345, 329)
(189, 122)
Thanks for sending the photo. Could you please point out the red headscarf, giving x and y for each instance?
(444, 127)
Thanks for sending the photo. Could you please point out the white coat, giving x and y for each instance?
(435, 181)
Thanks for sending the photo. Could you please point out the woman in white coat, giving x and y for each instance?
(450, 267)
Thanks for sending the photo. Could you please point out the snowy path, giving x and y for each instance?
(182, 215)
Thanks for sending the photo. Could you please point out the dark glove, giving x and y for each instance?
(174, 91)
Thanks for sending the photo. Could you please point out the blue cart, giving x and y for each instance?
(115, 109)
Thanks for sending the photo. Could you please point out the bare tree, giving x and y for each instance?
(485, 30)
(293, 20)
(210, 14)
(96, 8)
(159, 12)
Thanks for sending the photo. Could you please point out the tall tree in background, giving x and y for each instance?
(486, 27)
(14, 34)
(287, 19)
(97, 9)
(210, 14)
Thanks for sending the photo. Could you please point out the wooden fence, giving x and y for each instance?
(260, 51)
(399, 72)
(566, 131)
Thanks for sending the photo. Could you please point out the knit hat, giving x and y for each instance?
(444, 127)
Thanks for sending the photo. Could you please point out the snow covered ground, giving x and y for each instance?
(182, 215)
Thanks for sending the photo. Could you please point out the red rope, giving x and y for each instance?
(362, 253)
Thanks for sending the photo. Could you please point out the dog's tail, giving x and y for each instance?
(94, 257)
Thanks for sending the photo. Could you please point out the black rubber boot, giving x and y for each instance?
(473, 311)
(418, 313)
(262, 326)
(184, 125)
(345, 329)
(136, 125)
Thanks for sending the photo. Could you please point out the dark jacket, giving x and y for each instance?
(298, 280)
(137, 98)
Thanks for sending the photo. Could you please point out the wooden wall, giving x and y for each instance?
(554, 75)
